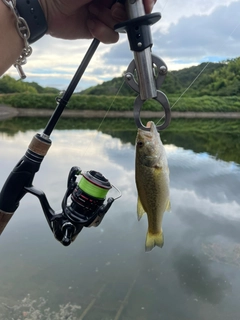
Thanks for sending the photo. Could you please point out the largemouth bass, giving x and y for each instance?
(152, 181)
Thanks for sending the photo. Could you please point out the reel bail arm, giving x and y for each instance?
(151, 70)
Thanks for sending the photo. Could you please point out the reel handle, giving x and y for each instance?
(68, 230)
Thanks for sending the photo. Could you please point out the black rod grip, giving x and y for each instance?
(21, 177)
(13, 189)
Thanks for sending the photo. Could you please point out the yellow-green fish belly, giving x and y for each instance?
(153, 192)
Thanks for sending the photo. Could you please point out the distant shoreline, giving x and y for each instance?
(7, 112)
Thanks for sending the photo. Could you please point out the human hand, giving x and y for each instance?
(86, 19)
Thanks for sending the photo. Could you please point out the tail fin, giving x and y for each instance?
(154, 239)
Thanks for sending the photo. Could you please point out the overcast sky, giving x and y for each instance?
(190, 32)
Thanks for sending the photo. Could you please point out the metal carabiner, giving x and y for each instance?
(163, 100)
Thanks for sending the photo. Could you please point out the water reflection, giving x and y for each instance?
(194, 276)
(217, 137)
(198, 280)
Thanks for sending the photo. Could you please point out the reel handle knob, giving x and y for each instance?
(68, 230)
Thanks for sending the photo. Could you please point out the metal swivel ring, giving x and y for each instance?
(163, 100)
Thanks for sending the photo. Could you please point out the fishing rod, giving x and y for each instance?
(88, 206)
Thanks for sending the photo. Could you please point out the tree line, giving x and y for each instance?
(206, 79)
(10, 85)
(213, 79)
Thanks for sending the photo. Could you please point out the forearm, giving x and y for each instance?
(11, 44)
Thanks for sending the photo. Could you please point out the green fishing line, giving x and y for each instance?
(92, 189)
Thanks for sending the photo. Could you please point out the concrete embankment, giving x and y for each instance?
(7, 112)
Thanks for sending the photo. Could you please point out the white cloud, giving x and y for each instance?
(188, 33)
(198, 37)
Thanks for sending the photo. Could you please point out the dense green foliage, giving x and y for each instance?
(225, 81)
(123, 103)
(217, 79)
(77, 102)
(10, 85)
(116, 86)
(212, 87)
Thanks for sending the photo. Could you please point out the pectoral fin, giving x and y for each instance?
(168, 207)
(140, 210)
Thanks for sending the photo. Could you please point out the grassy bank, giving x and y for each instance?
(120, 103)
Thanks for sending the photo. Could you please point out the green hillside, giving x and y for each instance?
(212, 87)
(213, 79)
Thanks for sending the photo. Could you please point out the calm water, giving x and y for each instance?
(106, 271)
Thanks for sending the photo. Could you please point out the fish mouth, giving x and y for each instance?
(148, 134)
(152, 126)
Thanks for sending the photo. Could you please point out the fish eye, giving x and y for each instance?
(140, 144)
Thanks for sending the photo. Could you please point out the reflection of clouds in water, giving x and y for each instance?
(197, 180)
(85, 148)
(197, 278)
(203, 206)
(209, 178)
(202, 227)
(14, 147)
(189, 199)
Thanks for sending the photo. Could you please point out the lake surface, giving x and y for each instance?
(106, 274)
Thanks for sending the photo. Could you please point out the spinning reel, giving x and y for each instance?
(87, 207)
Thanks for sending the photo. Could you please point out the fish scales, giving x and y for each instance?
(152, 181)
